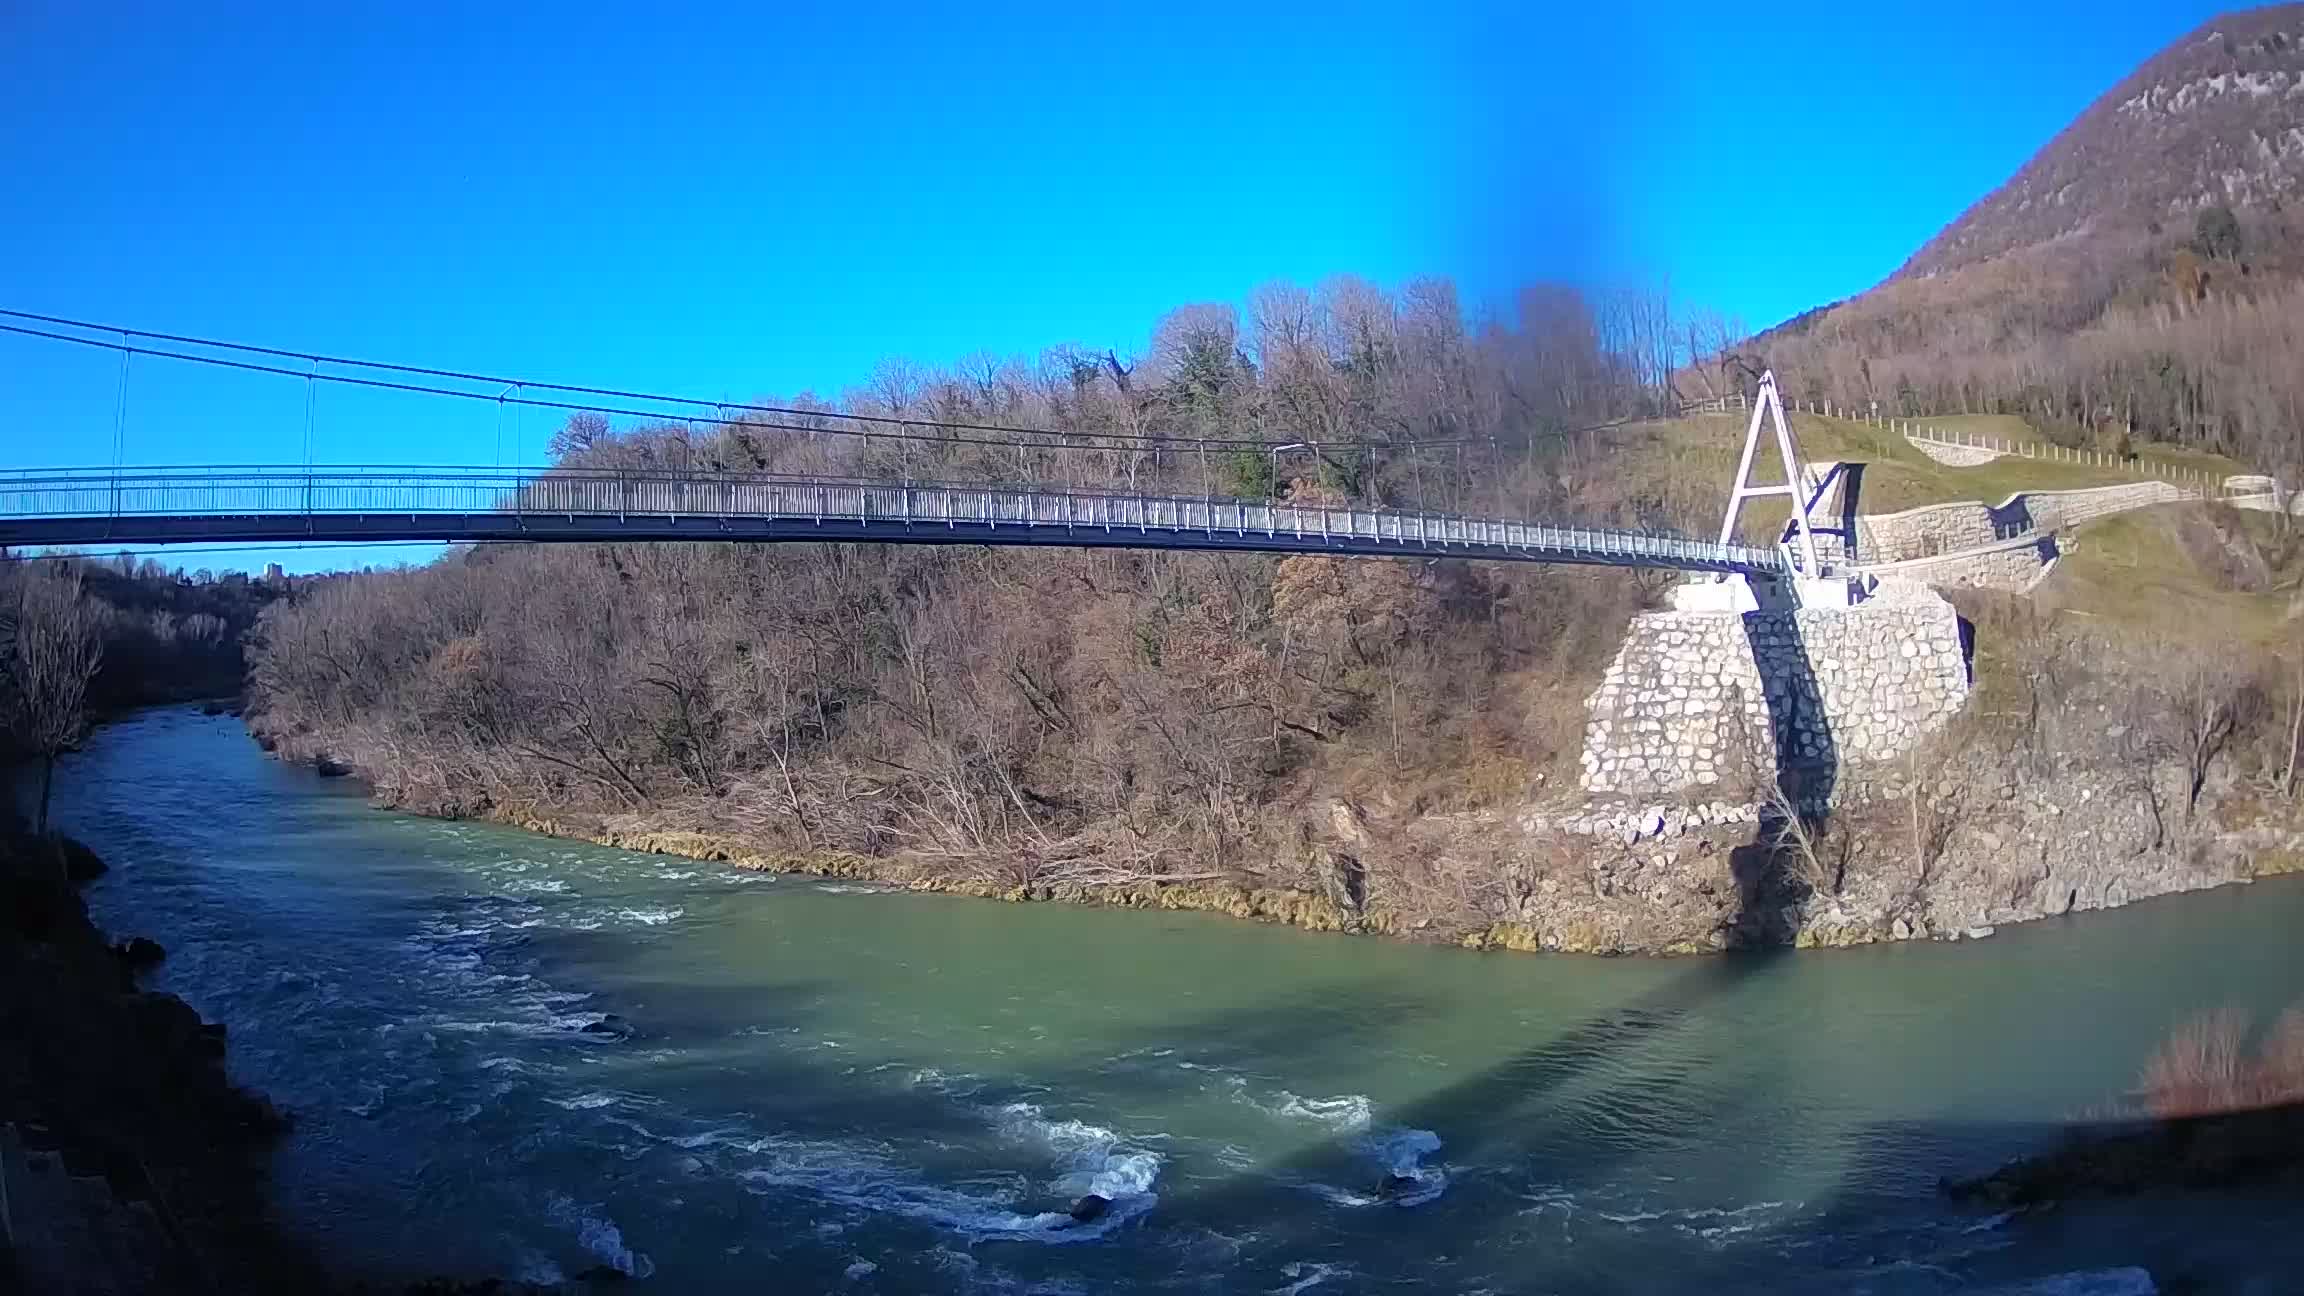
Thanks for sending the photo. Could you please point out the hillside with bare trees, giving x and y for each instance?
(1048, 715)
(2137, 280)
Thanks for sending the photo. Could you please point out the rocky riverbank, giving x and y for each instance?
(129, 1160)
(2075, 772)
(1976, 844)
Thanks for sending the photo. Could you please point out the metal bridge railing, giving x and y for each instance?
(651, 494)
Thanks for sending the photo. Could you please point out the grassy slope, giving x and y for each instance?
(1698, 457)
(2158, 571)
(2162, 572)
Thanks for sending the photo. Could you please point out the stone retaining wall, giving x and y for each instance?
(1953, 455)
(2055, 510)
(2013, 565)
(1704, 702)
(1929, 530)
(1934, 529)
(2293, 506)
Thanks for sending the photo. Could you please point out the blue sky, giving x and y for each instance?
(741, 201)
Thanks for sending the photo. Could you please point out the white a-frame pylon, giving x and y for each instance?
(1768, 406)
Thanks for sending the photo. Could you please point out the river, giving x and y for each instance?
(807, 1087)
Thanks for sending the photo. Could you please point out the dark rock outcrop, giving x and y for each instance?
(128, 1084)
(80, 863)
(1089, 1208)
(610, 1026)
(139, 952)
(2231, 1150)
(100, 1079)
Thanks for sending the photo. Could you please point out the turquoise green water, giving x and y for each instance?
(810, 1087)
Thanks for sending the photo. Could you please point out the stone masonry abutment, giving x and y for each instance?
(1703, 703)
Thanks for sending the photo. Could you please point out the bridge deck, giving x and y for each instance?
(151, 505)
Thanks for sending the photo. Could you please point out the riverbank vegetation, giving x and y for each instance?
(1110, 715)
(82, 639)
(1363, 735)
(2211, 1066)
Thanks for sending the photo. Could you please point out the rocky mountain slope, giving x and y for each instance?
(2140, 279)
(2215, 119)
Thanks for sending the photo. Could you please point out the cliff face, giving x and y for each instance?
(130, 1164)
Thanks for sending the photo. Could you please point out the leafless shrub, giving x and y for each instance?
(2205, 1067)
(2210, 700)
(2200, 1068)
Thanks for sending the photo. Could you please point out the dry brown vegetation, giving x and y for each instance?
(50, 646)
(2059, 685)
(1089, 719)
(2191, 125)
(2212, 1111)
(1037, 717)
(2207, 1066)
(2109, 342)
(1080, 714)
(79, 639)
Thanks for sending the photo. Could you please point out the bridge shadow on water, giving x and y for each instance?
(1568, 1159)
(1564, 1165)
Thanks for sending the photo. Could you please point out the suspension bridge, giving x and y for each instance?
(128, 505)
(175, 505)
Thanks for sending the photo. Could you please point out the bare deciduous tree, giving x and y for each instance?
(51, 643)
(2209, 701)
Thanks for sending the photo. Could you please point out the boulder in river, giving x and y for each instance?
(1089, 1208)
(330, 767)
(610, 1026)
(1396, 1184)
